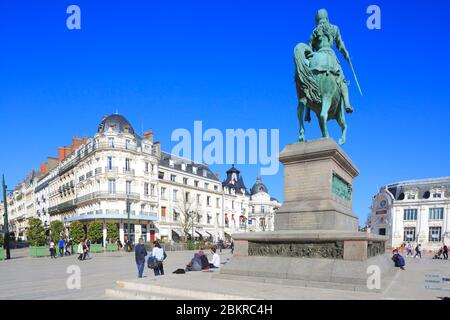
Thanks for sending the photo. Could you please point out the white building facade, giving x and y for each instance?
(414, 211)
(121, 178)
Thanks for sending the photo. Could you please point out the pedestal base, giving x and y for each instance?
(319, 258)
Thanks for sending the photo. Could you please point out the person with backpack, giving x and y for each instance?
(158, 255)
(399, 261)
(140, 254)
(418, 251)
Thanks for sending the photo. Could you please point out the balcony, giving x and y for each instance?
(107, 195)
(113, 170)
(130, 172)
(62, 207)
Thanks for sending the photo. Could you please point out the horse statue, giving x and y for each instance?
(319, 79)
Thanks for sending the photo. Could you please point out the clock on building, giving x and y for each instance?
(383, 203)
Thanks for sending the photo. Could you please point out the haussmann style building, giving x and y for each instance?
(415, 211)
(120, 177)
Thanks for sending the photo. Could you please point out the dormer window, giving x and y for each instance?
(205, 173)
(126, 129)
(171, 163)
(194, 170)
(183, 166)
(437, 195)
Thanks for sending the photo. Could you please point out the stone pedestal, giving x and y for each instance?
(318, 185)
(316, 240)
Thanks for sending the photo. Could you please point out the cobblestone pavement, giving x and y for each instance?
(24, 277)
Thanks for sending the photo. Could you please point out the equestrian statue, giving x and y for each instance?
(319, 79)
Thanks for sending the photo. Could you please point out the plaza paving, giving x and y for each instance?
(24, 277)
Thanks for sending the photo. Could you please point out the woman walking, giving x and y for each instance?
(159, 255)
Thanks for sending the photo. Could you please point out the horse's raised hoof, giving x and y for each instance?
(349, 109)
(341, 141)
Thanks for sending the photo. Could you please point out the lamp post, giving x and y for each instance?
(5, 221)
(129, 224)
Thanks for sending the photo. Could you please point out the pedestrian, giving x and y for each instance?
(81, 251)
(68, 248)
(140, 254)
(445, 251)
(119, 244)
(418, 251)
(52, 249)
(398, 260)
(232, 246)
(215, 262)
(409, 249)
(61, 247)
(160, 255)
(88, 248)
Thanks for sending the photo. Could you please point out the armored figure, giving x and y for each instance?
(320, 82)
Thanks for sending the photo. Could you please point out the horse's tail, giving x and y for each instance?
(303, 75)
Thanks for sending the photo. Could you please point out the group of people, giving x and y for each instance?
(443, 251)
(412, 251)
(83, 250)
(64, 246)
(200, 262)
(154, 261)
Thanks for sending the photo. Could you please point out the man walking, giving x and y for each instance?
(140, 254)
(61, 247)
(445, 251)
(418, 251)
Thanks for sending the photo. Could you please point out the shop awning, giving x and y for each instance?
(203, 233)
(179, 232)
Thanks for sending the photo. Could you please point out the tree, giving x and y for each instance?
(77, 232)
(1, 240)
(188, 210)
(36, 232)
(112, 231)
(56, 230)
(95, 232)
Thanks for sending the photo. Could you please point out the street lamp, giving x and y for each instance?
(5, 221)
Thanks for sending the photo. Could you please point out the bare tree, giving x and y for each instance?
(187, 207)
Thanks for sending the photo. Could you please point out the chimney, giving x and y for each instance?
(43, 168)
(67, 151)
(61, 153)
(148, 135)
(76, 142)
(157, 146)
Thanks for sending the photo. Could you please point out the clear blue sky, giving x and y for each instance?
(228, 63)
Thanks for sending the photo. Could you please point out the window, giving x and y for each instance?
(163, 211)
(146, 189)
(217, 202)
(175, 216)
(185, 180)
(160, 175)
(216, 188)
(263, 209)
(187, 196)
(171, 163)
(175, 195)
(163, 193)
(208, 218)
(208, 201)
(409, 234)
(183, 166)
(198, 199)
(436, 195)
(382, 232)
(112, 186)
(146, 167)
(173, 177)
(127, 144)
(110, 163)
(435, 234)
(196, 183)
(206, 185)
(111, 142)
(128, 187)
(410, 214)
(152, 189)
(205, 173)
(436, 214)
(411, 196)
(127, 165)
(194, 170)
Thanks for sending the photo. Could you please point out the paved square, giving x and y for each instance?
(24, 277)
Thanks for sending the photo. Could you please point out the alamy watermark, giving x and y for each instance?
(236, 146)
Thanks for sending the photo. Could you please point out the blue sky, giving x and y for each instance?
(165, 64)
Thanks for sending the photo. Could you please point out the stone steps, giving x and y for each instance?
(144, 291)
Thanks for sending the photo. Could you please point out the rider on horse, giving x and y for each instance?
(322, 57)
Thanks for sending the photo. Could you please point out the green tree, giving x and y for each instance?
(56, 230)
(36, 232)
(76, 232)
(112, 231)
(1, 240)
(95, 232)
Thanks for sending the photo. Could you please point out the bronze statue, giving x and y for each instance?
(319, 79)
